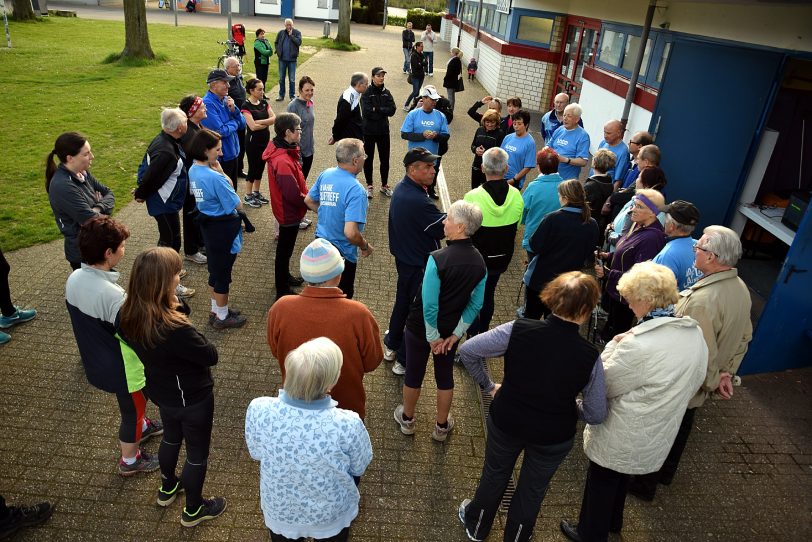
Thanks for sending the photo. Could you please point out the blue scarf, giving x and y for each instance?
(658, 313)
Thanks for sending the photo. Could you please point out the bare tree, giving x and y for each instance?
(136, 37)
(344, 14)
(23, 10)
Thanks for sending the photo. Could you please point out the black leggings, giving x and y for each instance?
(417, 359)
(169, 230)
(347, 283)
(5, 292)
(307, 163)
(284, 251)
(132, 407)
(191, 424)
(342, 536)
(382, 141)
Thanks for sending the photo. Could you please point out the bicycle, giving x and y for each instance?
(232, 49)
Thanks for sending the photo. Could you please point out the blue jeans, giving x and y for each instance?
(416, 84)
(290, 67)
(430, 58)
(538, 467)
(409, 279)
(407, 53)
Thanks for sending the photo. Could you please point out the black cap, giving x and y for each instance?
(419, 154)
(683, 212)
(218, 75)
(376, 71)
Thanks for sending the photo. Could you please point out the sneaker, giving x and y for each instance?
(242, 175)
(398, 368)
(18, 317)
(262, 199)
(370, 191)
(20, 517)
(233, 320)
(167, 496)
(406, 427)
(210, 509)
(212, 316)
(154, 428)
(183, 273)
(389, 355)
(251, 201)
(439, 434)
(406, 108)
(183, 292)
(144, 463)
(303, 225)
(280, 98)
(386, 191)
(461, 514)
(197, 257)
(4, 337)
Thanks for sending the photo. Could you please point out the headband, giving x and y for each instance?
(648, 203)
(194, 107)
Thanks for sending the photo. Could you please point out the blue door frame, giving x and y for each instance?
(710, 114)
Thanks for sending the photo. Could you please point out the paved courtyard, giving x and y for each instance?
(746, 475)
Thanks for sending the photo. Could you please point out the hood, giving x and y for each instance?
(274, 150)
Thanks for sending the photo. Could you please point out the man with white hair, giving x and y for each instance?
(224, 117)
(162, 182)
(720, 303)
(571, 142)
(288, 41)
(554, 118)
(348, 121)
(341, 203)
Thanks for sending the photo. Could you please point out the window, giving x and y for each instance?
(630, 54)
(663, 62)
(611, 47)
(534, 29)
(618, 52)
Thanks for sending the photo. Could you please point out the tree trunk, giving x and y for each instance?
(23, 10)
(136, 37)
(344, 14)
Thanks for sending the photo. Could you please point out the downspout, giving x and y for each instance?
(478, 25)
(638, 63)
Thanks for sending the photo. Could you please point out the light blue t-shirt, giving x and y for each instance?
(341, 199)
(571, 144)
(621, 151)
(521, 154)
(540, 199)
(418, 121)
(678, 256)
(215, 196)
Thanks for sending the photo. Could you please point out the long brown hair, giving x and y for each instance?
(67, 144)
(575, 195)
(150, 310)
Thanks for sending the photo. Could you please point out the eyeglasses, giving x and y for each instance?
(703, 249)
(635, 142)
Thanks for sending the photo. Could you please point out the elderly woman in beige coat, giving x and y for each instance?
(652, 371)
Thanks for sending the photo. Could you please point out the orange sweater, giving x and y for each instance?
(326, 312)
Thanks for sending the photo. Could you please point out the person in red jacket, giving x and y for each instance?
(288, 190)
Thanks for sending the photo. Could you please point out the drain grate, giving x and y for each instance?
(485, 406)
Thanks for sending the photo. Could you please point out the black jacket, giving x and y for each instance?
(487, 140)
(562, 242)
(598, 188)
(348, 121)
(377, 105)
(418, 65)
(453, 72)
(474, 113)
(408, 38)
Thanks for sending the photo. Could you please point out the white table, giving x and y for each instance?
(769, 218)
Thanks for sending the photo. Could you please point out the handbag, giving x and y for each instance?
(409, 78)
(460, 84)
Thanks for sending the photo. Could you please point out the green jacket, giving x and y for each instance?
(262, 51)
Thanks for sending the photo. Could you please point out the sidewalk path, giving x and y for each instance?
(746, 474)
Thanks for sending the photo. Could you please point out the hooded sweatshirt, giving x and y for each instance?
(502, 207)
(286, 180)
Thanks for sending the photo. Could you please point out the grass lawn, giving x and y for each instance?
(55, 81)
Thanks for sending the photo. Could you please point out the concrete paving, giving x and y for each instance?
(746, 475)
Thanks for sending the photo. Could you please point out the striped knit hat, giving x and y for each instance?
(320, 262)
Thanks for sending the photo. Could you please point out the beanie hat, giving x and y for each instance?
(320, 262)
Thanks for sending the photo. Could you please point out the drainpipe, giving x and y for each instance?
(478, 25)
(624, 119)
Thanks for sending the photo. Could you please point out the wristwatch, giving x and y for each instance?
(569, 160)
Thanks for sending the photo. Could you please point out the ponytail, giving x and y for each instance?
(573, 191)
(67, 144)
(50, 169)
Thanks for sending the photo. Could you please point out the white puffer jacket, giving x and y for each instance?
(651, 374)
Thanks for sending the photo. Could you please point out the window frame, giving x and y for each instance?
(659, 40)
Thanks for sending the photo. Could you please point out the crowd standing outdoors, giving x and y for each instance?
(677, 315)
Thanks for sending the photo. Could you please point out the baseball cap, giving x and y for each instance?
(419, 154)
(429, 92)
(683, 212)
(218, 75)
(376, 71)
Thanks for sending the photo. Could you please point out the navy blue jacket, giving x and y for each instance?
(164, 183)
(415, 224)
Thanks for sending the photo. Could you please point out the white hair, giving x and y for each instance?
(724, 243)
(467, 214)
(495, 161)
(575, 109)
(172, 118)
(312, 368)
(231, 61)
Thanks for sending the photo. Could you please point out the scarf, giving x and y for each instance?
(658, 313)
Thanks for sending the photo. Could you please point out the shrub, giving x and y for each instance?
(421, 18)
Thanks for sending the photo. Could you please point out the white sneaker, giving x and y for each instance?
(303, 225)
(370, 191)
(398, 368)
(406, 427)
(439, 434)
(389, 355)
(183, 292)
(197, 257)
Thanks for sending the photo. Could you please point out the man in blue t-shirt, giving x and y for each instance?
(554, 118)
(571, 142)
(613, 141)
(681, 217)
(636, 142)
(341, 203)
(425, 126)
(521, 149)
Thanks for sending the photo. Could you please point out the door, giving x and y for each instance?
(578, 51)
(783, 337)
(288, 8)
(707, 121)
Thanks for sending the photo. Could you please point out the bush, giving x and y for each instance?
(435, 5)
(421, 18)
(396, 21)
(359, 14)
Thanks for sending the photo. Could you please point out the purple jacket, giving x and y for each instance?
(640, 245)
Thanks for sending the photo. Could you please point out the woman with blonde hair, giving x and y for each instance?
(453, 75)
(487, 136)
(311, 453)
(563, 242)
(177, 363)
(643, 241)
(651, 371)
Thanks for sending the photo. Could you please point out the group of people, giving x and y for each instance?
(677, 314)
